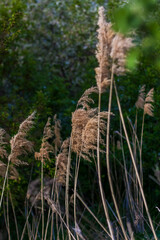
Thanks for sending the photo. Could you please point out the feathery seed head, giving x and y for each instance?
(19, 144)
(3, 152)
(120, 47)
(89, 135)
(85, 100)
(148, 107)
(141, 98)
(105, 36)
(79, 120)
(46, 147)
(13, 173)
(61, 162)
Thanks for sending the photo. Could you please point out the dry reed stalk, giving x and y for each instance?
(93, 215)
(8, 222)
(57, 145)
(114, 61)
(67, 188)
(80, 118)
(102, 76)
(75, 190)
(148, 109)
(140, 104)
(28, 215)
(134, 164)
(62, 173)
(36, 233)
(144, 103)
(119, 47)
(107, 157)
(5, 219)
(54, 209)
(43, 155)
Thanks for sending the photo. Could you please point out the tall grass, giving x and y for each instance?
(58, 208)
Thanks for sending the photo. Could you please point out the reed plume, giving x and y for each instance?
(89, 135)
(19, 144)
(120, 47)
(85, 100)
(111, 55)
(43, 155)
(46, 147)
(148, 107)
(61, 163)
(13, 173)
(3, 143)
(79, 120)
(105, 37)
(111, 52)
(141, 98)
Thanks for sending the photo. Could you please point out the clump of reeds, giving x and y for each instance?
(90, 134)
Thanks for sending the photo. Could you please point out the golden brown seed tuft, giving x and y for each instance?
(89, 135)
(13, 173)
(19, 144)
(61, 163)
(120, 47)
(148, 107)
(105, 37)
(46, 147)
(141, 98)
(3, 152)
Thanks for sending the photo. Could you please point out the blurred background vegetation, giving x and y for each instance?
(47, 60)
